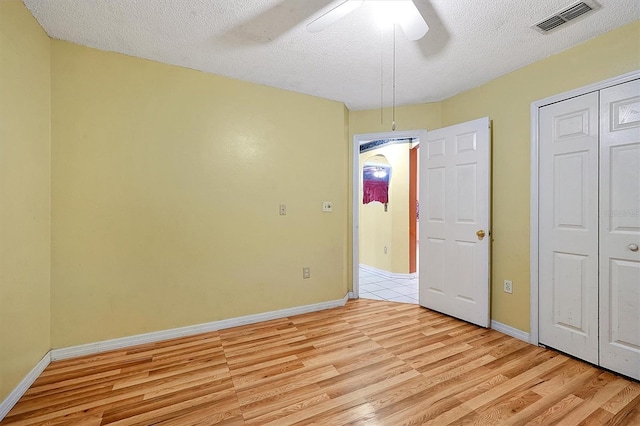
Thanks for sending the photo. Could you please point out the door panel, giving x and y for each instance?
(569, 298)
(620, 228)
(570, 195)
(435, 187)
(455, 193)
(433, 260)
(568, 226)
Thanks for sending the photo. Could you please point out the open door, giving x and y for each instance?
(455, 213)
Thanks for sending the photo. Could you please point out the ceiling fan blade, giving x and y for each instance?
(411, 21)
(335, 14)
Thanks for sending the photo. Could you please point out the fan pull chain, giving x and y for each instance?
(393, 109)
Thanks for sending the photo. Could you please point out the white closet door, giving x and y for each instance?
(568, 203)
(620, 228)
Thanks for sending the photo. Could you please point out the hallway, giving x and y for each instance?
(378, 285)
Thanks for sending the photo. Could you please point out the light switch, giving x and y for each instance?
(283, 209)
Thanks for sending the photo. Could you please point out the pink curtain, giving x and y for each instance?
(375, 190)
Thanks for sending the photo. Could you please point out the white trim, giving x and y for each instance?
(124, 342)
(355, 223)
(387, 274)
(533, 227)
(534, 224)
(510, 331)
(355, 236)
(23, 386)
(156, 336)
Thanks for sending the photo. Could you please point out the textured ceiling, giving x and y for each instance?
(265, 41)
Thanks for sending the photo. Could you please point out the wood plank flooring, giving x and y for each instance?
(367, 363)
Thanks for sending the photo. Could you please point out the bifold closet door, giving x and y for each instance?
(620, 228)
(568, 226)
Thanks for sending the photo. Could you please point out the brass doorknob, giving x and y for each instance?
(480, 234)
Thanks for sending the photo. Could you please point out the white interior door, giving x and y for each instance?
(620, 228)
(568, 226)
(454, 228)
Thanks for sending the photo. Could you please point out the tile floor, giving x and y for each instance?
(379, 286)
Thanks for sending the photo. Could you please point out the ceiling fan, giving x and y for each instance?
(402, 12)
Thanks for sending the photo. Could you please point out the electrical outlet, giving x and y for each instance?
(385, 249)
(327, 206)
(508, 286)
(306, 272)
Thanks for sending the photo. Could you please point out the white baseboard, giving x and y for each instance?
(23, 386)
(387, 273)
(124, 342)
(510, 331)
(156, 336)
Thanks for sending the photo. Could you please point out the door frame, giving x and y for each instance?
(534, 187)
(414, 198)
(358, 140)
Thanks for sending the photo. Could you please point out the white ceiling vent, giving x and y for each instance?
(565, 15)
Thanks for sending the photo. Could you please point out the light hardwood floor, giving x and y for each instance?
(368, 363)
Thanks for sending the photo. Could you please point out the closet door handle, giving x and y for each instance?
(633, 247)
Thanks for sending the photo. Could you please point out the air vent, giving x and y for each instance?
(565, 15)
(575, 11)
(551, 23)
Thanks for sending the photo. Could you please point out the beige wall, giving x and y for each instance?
(507, 101)
(380, 229)
(165, 184)
(412, 117)
(165, 191)
(24, 194)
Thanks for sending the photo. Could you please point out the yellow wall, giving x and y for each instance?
(507, 101)
(165, 184)
(414, 117)
(380, 229)
(165, 191)
(24, 194)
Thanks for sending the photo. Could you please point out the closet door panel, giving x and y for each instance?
(568, 200)
(620, 228)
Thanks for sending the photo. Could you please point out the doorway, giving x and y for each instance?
(385, 279)
(455, 189)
